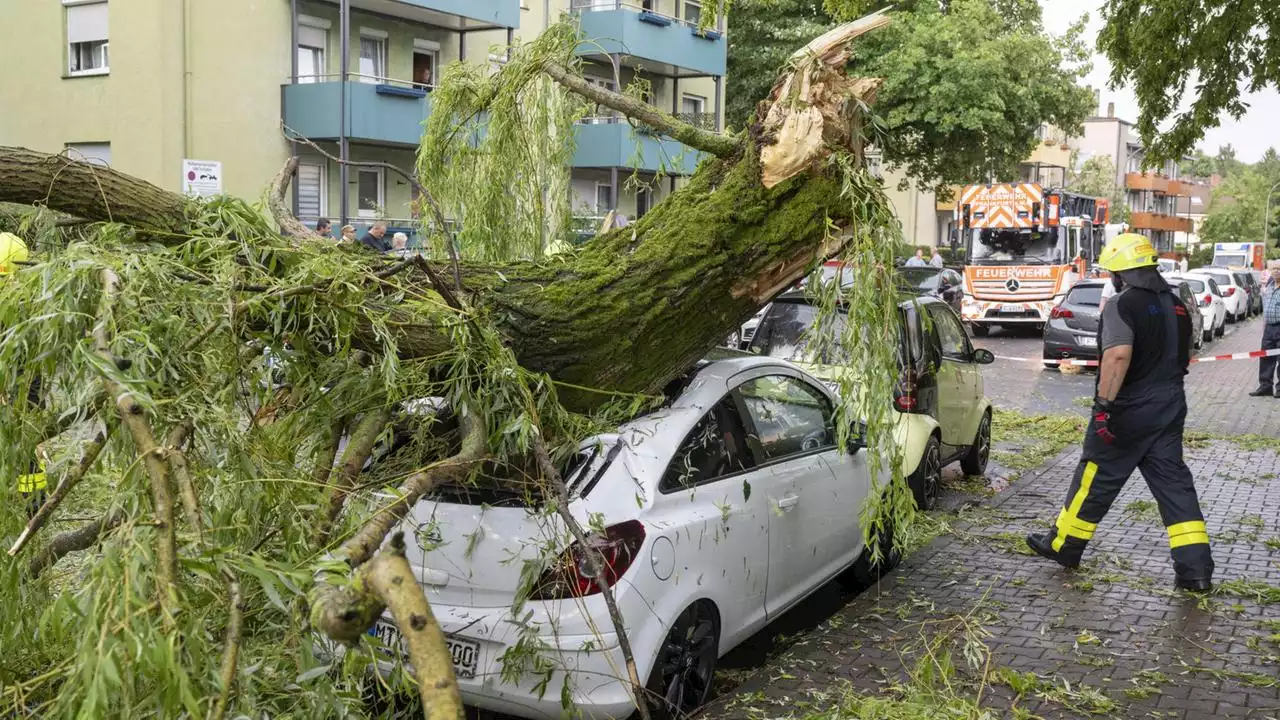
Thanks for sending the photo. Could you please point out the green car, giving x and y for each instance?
(943, 412)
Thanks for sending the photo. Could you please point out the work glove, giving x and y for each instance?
(1102, 410)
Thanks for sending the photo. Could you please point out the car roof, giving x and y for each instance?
(905, 300)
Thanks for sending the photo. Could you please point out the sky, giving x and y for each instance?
(1251, 135)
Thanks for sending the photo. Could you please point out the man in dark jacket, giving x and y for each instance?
(374, 238)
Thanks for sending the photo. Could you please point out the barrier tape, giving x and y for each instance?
(1208, 358)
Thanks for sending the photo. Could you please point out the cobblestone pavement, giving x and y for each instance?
(1217, 392)
(1113, 639)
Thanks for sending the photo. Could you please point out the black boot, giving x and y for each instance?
(1262, 391)
(1195, 585)
(1042, 543)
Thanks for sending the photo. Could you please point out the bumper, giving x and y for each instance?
(983, 312)
(1061, 342)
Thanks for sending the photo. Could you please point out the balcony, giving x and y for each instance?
(383, 114)
(610, 144)
(456, 15)
(1158, 221)
(1156, 183)
(660, 43)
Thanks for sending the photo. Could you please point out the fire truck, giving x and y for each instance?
(1025, 247)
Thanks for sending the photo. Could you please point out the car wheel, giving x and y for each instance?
(975, 461)
(925, 480)
(1208, 337)
(1199, 341)
(863, 573)
(980, 330)
(680, 682)
(1222, 330)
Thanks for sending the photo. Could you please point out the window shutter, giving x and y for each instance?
(95, 153)
(87, 23)
(310, 178)
(311, 37)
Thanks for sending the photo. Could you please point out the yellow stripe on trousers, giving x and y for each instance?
(1192, 532)
(1069, 522)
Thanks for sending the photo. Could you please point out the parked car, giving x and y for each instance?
(1072, 329)
(1182, 288)
(1253, 287)
(1233, 295)
(944, 415)
(1209, 300)
(943, 283)
(714, 515)
(741, 339)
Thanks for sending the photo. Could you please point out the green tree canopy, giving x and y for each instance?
(1097, 177)
(1238, 207)
(1171, 49)
(966, 87)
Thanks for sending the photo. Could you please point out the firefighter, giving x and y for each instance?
(32, 483)
(1139, 408)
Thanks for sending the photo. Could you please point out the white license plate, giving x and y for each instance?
(1088, 341)
(466, 653)
(1013, 308)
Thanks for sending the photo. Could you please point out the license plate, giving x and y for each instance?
(465, 653)
(1013, 309)
(1088, 341)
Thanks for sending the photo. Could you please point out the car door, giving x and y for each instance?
(957, 381)
(813, 527)
(954, 293)
(1219, 303)
(717, 516)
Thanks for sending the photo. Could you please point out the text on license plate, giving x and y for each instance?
(466, 653)
(1013, 308)
(1088, 341)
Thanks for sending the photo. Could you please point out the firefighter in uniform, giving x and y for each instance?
(32, 483)
(1139, 409)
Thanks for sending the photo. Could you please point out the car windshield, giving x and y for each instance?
(918, 279)
(1011, 246)
(782, 334)
(1229, 260)
(1085, 295)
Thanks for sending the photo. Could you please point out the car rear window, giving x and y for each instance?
(1086, 295)
(1221, 278)
(782, 335)
(1196, 285)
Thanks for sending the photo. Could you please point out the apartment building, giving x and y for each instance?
(148, 86)
(1152, 197)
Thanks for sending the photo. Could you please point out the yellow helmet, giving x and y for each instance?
(12, 250)
(1127, 252)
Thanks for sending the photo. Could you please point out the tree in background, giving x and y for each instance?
(1198, 165)
(1097, 177)
(1239, 204)
(966, 87)
(1170, 49)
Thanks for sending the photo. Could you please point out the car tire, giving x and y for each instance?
(980, 330)
(975, 461)
(1207, 336)
(1222, 330)
(863, 573)
(927, 478)
(684, 671)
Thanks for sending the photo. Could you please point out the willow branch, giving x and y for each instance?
(391, 578)
(231, 647)
(88, 456)
(359, 447)
(327, 453)
(279, 205)
(81, 538)
(596, 565)
(723, 146)
(134, 419)
(182, 475)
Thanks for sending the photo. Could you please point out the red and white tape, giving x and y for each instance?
(1207, 358)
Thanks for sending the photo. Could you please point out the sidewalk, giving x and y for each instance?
(1110, 640)
(1218, 392)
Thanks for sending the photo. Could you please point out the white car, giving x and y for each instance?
(714, 515)
(1209, 298)
(1235, 297)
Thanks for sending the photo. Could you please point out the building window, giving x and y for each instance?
(311, 190)
(601, 114)
(87, 47)
(369, 193)
(644, 201)
(426, 63)
(604, 198)
(373, 56)
(692, 12)
(312, 43)
(96, 153)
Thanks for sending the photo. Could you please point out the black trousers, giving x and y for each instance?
(1148, 430)
(1267, 365)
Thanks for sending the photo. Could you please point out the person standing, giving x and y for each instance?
(918, 260)
(324, 228)
(935, 258)
(1182, 262)
(400, 245)
(1139, 409)
(1267, 366)
(373, 239)
(348, 234)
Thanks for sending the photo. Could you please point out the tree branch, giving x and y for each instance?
(279, 205)
(88, 456)
(723, 146)
(597, 566)
(186, 488)
(132, 415)
(70, 541)
(391, 578)
(231, 647)
(359, 447)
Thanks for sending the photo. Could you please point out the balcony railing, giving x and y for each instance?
(668, 45)
(702, 121)
(1159, 221)
(647, 8)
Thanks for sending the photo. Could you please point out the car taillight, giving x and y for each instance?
(904, 395)
(1230, 291)
(1060, 312)
(1204, 301)
(571, 577)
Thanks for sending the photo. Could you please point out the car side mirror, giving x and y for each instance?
(857, 437)
(983, 356)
